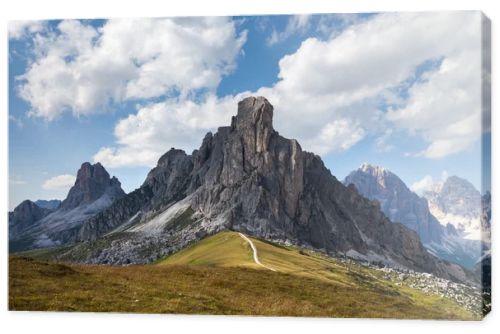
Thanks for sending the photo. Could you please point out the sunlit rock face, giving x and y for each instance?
(401, 205)
(246, 177)
(455, 201)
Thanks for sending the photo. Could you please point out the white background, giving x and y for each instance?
(38, 322)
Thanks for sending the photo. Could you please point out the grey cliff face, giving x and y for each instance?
(458, 203)
(456, 196)
(92, 182)
(255, 178)
(93, 191)
(25, 215)
(398, 202)
(402, 205)
(246, 177)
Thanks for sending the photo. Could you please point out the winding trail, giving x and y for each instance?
(254, 249)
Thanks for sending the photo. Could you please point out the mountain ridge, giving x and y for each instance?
(248, 178)
(25, 214)
(400, 204)
(93, 191)
(457, 202)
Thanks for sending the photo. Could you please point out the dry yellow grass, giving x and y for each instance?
(218, 276)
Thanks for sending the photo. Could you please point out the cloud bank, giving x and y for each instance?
(395, 73)
(60, 182)
(84, 69)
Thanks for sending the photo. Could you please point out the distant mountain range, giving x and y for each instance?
(50, 223)
(438, 234)
(247, 178)
(455, 201)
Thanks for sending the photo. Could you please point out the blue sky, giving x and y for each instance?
(353, 88)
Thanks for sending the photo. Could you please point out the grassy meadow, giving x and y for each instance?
(219, 276)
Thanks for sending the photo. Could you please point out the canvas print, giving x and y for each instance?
(326, 165)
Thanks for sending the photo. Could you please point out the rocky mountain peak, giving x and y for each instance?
(248, 178)
(401, 205)
(458, 202)
(373, 170)
(254, 112)
(396, 200)
(455, 196)
(92, 181)
(463, 188)
(372, 181)
(24, 215)
(53, 223)
(171, 156)
(28, 211)
(88, 171)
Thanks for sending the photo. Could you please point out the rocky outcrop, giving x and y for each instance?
(92, 182)
(93, 191)
(402, 205)
(396, 200)
(24, 216)
(456, 196)
(246, 177)
(455, 201)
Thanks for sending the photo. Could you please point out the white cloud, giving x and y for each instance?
(367, 61)
(445, 109)
(427, 183)
(329, 93)
(422, 185)
(83, 69)
(338, 135)
(295, 24)
(20, 29)
(60, 182)
(143, 137)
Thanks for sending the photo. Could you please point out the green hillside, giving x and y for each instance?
(218, 275)
(225, 249)
(228, 249)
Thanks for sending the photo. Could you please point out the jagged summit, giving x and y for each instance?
(401, 205)
(92, 182)
(24, 215)
(456, 201)
(397, 201)
(378, 172)
(246, 177)
(367, 178)
(93, 191)
(171, 154)
(458, 196)
(373, 169)
(253, 111)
